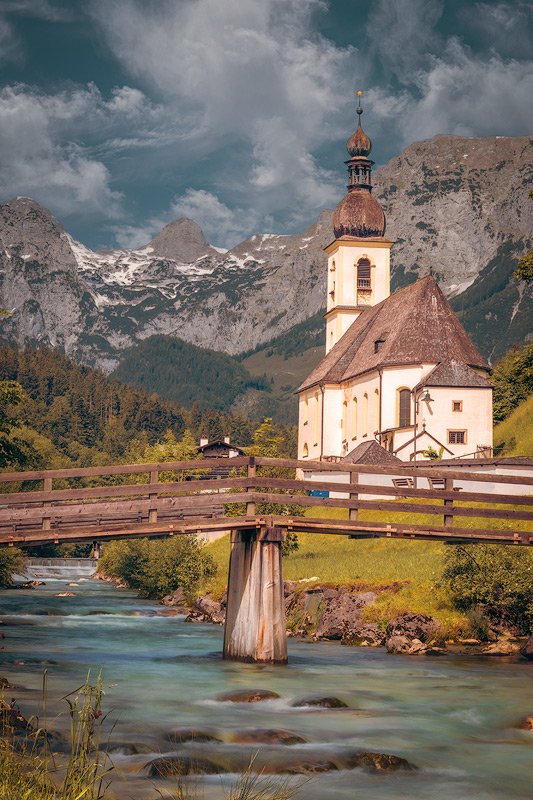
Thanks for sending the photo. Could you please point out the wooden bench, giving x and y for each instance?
(439, 483)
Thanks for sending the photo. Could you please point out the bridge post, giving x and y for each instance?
(255, 614)
(96, 550)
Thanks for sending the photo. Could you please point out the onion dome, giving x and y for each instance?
(359, 213)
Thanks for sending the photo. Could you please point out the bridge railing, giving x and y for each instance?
(163, 498)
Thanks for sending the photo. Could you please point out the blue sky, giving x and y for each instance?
(120, 115)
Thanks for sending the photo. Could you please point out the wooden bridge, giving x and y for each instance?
(259, 500)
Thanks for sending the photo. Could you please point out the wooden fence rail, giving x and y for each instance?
(44, 506)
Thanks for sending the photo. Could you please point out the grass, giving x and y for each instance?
(514, 436)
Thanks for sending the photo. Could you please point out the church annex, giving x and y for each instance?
(399, 369)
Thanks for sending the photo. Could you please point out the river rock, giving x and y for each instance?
(206, 609)
(341, 612)
(319, 702)
(246, 696)
(402, 644)
(12, 719)
(413, 626)
(268, 736)
(182, 765)
(503, 647)
(5, 684)
(527, 723)
(526, 651)
(126, 748)
(182, 735)
(308, 766)
(377, 762)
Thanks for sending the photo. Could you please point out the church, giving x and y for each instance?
(399, 369)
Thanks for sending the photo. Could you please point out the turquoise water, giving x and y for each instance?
(452, 717)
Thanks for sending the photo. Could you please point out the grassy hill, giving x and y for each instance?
(514, 436)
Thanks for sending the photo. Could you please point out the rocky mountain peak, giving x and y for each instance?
(181, 240)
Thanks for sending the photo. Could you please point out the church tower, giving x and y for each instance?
(359, 257)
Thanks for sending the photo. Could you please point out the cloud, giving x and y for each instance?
(250, 80)
(472, 96)
(41, 9)
(504, 28)
(222, 225)
(9, 42)
(39, 137)
(403, 34)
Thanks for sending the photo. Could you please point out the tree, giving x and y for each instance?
(432, 454)
(13, 451)
(524, 268)
(496, 577)
(267, 440)
(513, 380)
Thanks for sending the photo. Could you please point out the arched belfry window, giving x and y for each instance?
(404, 398)
(363, 273)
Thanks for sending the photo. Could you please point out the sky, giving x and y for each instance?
(122, 115)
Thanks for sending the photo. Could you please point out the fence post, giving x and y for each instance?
(250, 506)
(353, 513)
(47, 487)
(448, 518)
(154, 478)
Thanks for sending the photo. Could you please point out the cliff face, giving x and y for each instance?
(456, 206)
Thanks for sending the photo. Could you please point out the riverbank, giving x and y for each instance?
(327, 613)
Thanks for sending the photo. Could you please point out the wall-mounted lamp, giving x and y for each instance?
(426, 398)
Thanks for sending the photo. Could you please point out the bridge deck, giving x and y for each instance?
(156, 500)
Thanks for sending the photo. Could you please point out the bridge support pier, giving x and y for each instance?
(255, 614)
(96, 550)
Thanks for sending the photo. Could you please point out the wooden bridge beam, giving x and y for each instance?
(255, 614)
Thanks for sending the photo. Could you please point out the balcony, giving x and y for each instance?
(364, 283)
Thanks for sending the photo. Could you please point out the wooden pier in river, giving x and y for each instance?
(96, 504)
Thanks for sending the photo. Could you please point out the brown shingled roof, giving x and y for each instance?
(370, 453)
(416, 324)
(455, 373)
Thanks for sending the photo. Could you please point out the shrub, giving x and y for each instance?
(157, 568)
(11, 561)
(499, 578)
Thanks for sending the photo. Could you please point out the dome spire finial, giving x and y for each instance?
(359, 108)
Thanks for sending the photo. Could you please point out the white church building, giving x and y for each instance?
(398, 369)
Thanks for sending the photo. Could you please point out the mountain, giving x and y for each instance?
(457, 207)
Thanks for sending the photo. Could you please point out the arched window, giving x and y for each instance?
(305, 453)
(365, 414)
(306, 410)
(376, 409)
(354, 418)
(363, 273)
(316, 417)
(332, 268)
(404, 408)
(344, 419)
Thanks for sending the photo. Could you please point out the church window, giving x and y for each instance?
(344, 415)
(376, 409)
(354, 418)
(457, 405)
(332, 292)
(315, 426)
(456, 437)
(332, 268)
(363, 273)
(404, 407)
(365, 414)
(306, 410)
(305, 453)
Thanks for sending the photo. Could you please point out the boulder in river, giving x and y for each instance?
(268, 736)
(5, 684)
(402, 644)
(182, 765)
(182, 735)
(307, 766)
(413, 626)
(319, 702)
(377, 762)
(527, 723)
(206, 609)
(246, 696)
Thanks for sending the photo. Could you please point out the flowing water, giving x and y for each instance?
(455, 718)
